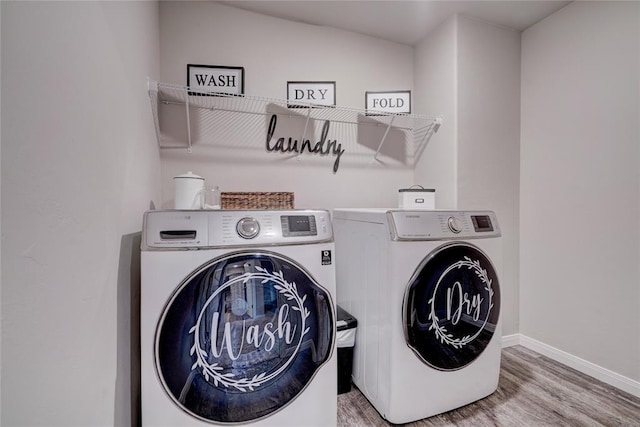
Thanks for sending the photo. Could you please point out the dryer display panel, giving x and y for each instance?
(243, 336)
(451, 306)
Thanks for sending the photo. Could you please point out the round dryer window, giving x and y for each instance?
(242, 337)
(451, 306)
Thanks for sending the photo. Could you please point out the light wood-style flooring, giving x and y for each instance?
(533, 391)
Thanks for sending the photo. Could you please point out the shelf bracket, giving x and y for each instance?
(384, 137)
(437, 122)
(186, 105)
(152, 89)
(304, 132)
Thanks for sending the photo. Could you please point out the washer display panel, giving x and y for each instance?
(242, 337)
(451, 306)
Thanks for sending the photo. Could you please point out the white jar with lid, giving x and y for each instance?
(188, 191)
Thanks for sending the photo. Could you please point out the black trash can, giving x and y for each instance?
(346, 338)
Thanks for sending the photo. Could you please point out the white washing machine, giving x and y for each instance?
(238, 318)
(423, 286)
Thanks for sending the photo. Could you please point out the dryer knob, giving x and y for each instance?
(248, 228)
(455, 225)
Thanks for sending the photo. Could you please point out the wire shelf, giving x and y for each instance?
(229, 107)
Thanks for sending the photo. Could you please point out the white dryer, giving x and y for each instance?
(424, 288)
(238, 318)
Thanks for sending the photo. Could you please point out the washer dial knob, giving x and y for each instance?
(248, 228)
(455, 225)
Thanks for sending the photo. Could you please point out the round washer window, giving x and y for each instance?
(451, 306)
(242, 337)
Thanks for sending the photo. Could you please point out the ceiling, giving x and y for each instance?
(401, 21)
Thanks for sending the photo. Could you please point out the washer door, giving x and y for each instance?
(242, 337)
(451, 306)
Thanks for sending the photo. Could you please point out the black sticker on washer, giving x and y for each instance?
(243, 336)
(452, 306)
(326, 257)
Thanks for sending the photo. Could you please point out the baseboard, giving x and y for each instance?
(510, 340)
(598, 372)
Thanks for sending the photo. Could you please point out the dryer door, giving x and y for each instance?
(242, 337)
(451, 306)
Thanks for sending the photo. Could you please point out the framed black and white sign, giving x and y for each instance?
(398, 101)
(317, 93)
(216, 78)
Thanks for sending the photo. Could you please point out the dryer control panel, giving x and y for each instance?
(193, 229)
(441, 225)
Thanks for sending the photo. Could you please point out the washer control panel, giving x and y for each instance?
(438, 225)
(215, 228)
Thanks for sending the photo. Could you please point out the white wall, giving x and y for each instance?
(580, 184)
(488, 137)
(469, 71)
(435, 90)
(80, 165)
(274, 51)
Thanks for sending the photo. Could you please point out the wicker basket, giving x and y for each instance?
(256, 200)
